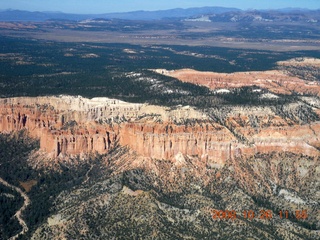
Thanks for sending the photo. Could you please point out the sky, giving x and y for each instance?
(108, 6)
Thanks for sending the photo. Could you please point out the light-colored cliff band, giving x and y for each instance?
(69, 125)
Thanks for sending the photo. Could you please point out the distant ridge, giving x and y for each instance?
(210, 13)
(19, 15)
(172, 13)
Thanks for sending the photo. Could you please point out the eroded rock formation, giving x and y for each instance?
(278, 82)
(74, 125)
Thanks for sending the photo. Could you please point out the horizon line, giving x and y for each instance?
(83, 13)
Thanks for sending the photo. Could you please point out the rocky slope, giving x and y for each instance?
(275, 81)
(156, 172)
(130, 197)
(75, 125)
(124, 195)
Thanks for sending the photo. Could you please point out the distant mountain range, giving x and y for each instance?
(215, 14)
(282, 15)
(18, 15)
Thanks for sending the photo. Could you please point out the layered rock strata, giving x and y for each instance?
(74, 125)
(278, 82)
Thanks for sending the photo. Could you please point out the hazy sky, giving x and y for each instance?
(106, 6)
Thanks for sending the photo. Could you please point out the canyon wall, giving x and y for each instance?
(74, 125)
(278, 82)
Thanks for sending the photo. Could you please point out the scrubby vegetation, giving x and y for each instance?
(98, 199)
(15, 167)
(92, 194)
(33, 68)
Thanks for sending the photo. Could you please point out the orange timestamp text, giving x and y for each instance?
(261, 214)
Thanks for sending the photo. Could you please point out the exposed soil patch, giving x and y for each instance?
(28, 185)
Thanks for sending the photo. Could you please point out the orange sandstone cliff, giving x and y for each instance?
(278, 82)
(69, 125)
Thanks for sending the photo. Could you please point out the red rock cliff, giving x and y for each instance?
(74, 125)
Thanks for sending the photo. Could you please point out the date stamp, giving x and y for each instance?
(265, 214)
